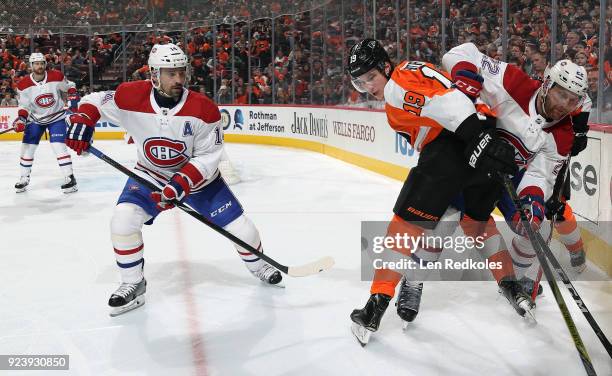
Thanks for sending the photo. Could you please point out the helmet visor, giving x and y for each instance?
(365, 82)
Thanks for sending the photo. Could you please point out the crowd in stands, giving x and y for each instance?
(299, 58)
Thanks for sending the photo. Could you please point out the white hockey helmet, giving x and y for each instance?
(166, 56)
(568, 75)
(37, 57)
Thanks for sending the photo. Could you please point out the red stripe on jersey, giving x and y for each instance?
(54, 76)
(563, 132)
(64, 157)
(25, 83)
(129, 251)
(520, 86)
(91, 111)
(199, 106)
(135, 96)
(245, 253)
(27, 159)
(193, 174)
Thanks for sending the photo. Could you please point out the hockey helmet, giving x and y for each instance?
(166, 56)
(365, 56)
(37, 57)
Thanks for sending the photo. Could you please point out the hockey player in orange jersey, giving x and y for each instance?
(459, 154)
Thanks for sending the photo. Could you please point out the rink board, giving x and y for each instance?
(364, 138)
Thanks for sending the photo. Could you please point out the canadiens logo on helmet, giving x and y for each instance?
(164, 152)
(45, 100)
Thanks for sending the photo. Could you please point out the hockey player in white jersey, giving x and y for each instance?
(41, 107)
(545, 122)
(179, 140)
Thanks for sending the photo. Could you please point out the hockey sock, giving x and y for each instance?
(63, 158)
(569, 233)
(493, 247)
(243, 228)
(27, 158)
(126, 236)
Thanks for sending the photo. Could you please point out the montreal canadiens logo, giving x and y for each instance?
(163, 152)
(522, 155)
(45, 100)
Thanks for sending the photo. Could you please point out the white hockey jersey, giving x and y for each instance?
(41, 102)
(186, 138)
(540, 146)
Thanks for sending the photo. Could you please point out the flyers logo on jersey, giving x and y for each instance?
(45, 100)
(163, 152)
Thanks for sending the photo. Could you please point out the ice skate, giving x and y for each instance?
(518, 298)
(408, 301)
(268, 274)
(367, 319)
(128, 296)
(22, 184)
(578, 261)
(528, 285)
(70, 185)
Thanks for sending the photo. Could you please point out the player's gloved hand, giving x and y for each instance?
(489, 153)
(73, 99)
(466, 78)
(80, 132)
(533, 207)
(580, 143)
(20, 124)
(176, 190)
(469, 83)
(555, 209)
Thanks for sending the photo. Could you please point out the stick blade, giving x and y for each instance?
(311, 268)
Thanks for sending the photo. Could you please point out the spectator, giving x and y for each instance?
(540, 62)
(8, 100)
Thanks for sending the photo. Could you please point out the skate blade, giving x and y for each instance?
(70, 190)
(138, 302)
(362, 334)
(21, 190)
(279, 285)
(405, 325)
(530, 314)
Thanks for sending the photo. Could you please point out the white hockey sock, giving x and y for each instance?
(126, 236)
(27, 158)
(243, 228)
(63, 158)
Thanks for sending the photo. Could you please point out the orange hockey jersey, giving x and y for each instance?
(420, 102)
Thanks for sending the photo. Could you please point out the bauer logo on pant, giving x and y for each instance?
(163, 152)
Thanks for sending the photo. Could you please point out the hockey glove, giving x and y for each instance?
(176, 190)
(532, 200)
(555, 209)
(485, 151)
(580, 143)
(20, 124)
(80, 132)
(466, 78)
(73, 100)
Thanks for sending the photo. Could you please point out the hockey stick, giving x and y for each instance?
(569, 322)
(7, 130)
(293, 271)
(557, 189)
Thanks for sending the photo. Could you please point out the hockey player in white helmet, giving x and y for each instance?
(179, 138)
(41, 108)
(546, 123)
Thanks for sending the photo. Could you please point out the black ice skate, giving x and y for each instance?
(128, 296)
(528, 285)
(517, 297)
(408, 300)
(70, 185)
(22, 184)
(578, 261)
(367, 319)
(268, 274)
